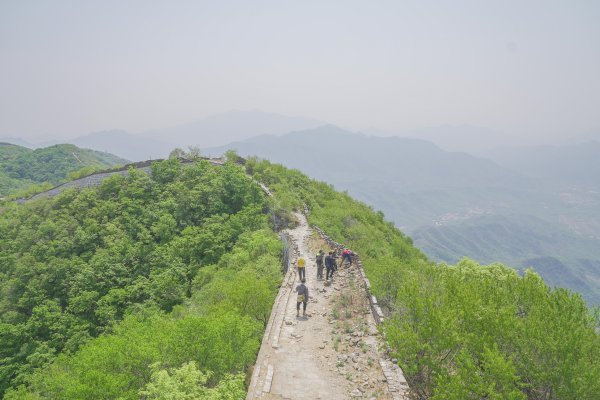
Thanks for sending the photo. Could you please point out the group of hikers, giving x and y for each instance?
(323, 261)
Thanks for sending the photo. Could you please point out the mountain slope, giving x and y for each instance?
(125, 145)
(467, 138)
(210, 131)
(565, 165)
(331, 152)
(160, 284)
(105, 289)
(450, 201)
(18, 142)
(412, 181)
(562, 258)
(223, 128)
(461, 331)
(21, 167)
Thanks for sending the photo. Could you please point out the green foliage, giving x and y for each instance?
(121, 364)
(177, 153)
(459, 332)
(21, 168)
(193, 153)
(490, 333)
(23, 189)
(160, 287)
(99, 284)
(188, 382)
(244, 280)
(561, 257)
(85, 171)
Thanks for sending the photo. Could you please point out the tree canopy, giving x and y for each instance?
(160, 285)
(21, 167)
(130, 287)
(464, 331)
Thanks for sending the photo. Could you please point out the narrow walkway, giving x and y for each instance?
(324, 355)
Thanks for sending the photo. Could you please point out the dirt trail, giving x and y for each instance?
(332, 353)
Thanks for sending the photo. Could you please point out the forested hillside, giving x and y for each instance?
(138, 287)
(519, 240)
(459, 332)
(455, 205)
(159, 286)
(21, 167)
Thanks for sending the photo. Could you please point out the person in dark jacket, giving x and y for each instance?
(320, 264)
(329, 265)
(302, 291)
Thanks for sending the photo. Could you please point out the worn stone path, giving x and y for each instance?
(332, 353)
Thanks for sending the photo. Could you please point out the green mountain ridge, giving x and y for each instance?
(159, 285)
(449, 201)
(21, 167)
(332, 154)
(488, 238)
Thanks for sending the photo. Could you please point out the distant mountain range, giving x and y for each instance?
(18, 142)
(566, 165)
(460, 138)
(522, 206)
(126, 145)
(118, 142)
(407, 178)
(455, 204)
(214, 130)
(231, 126)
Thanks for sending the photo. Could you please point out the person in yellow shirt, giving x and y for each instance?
(301, 264)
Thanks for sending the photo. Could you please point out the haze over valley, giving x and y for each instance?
(173, 173)
(455, 205)
(524, 206)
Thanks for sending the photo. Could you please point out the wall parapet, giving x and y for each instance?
(375, 308)
(96, 178)
(393, 372)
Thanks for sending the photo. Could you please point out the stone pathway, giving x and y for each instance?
(332, 353)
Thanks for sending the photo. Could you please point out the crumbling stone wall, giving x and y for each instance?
(96, 178)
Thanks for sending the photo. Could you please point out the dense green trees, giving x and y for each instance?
(470, 331)
(121, 364)
(173, 274)
(459, 332)
(160, 286)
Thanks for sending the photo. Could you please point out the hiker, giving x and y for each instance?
(301, 268)
(334, 261)
(347, 255)
(320, 265)
(329, 264)
(302, 298)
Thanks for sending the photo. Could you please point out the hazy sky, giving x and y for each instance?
(68, 68)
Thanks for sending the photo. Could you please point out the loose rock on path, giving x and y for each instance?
(332, 353)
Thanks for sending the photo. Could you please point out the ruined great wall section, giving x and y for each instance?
(393, 373)
(81, 183)
(324, 355)
(296, 359)
(96, 178)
